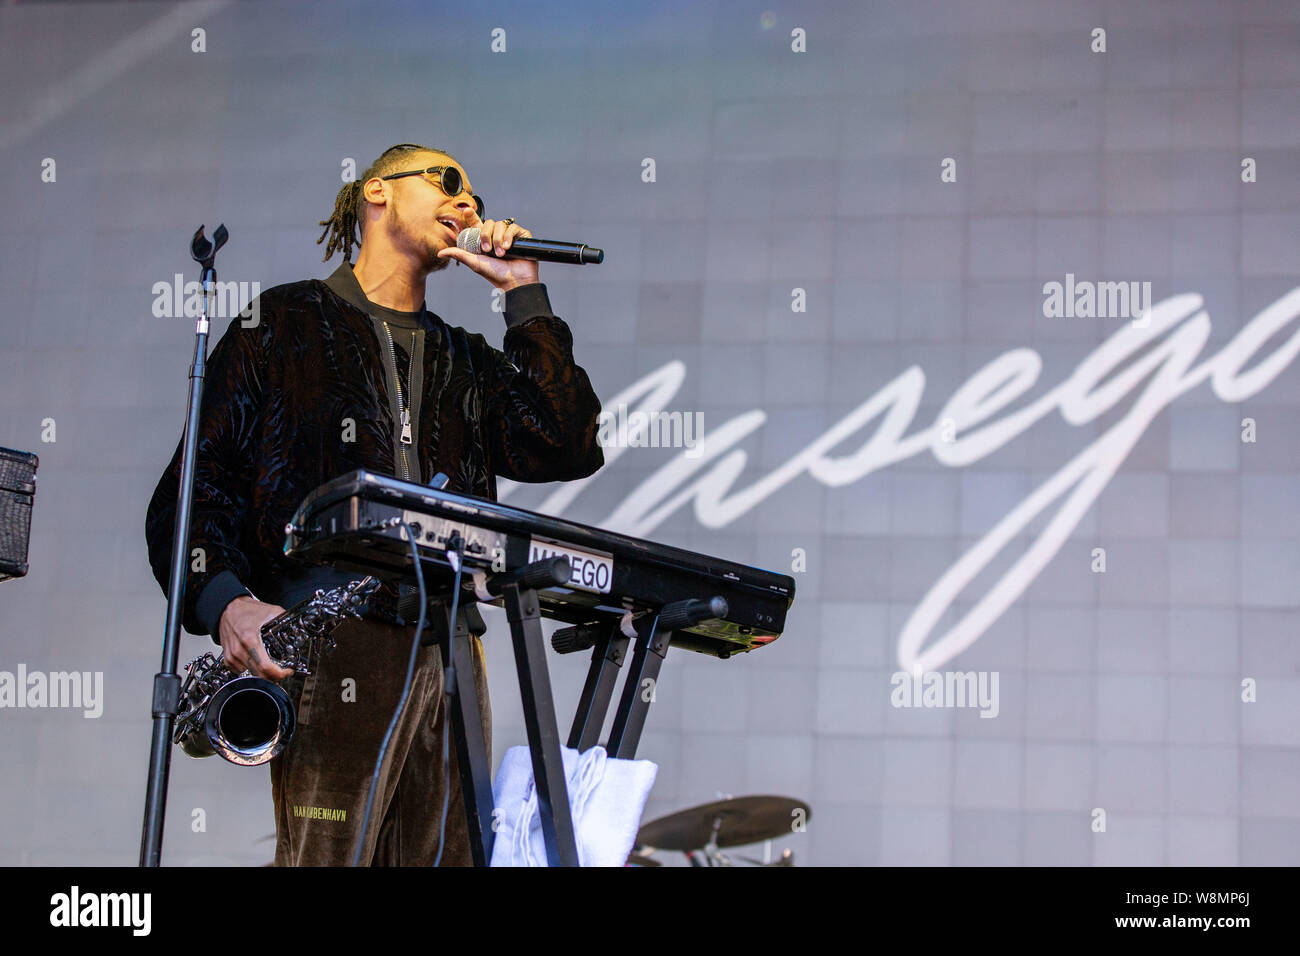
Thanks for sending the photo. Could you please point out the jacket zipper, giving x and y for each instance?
(402, 404)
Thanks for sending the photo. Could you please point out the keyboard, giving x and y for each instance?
(355, 523)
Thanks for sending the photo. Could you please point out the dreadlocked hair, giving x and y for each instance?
(343, 227)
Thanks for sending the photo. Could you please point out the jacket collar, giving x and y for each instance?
(343, 283)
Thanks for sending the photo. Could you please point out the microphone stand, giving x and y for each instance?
(167, 683)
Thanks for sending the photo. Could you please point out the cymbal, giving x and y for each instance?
(640, 859)
(738, 822)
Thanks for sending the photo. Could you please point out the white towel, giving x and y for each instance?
(606, 799)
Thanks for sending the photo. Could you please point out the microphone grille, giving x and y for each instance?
(469, 240)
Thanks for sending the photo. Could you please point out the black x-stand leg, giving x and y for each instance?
(609, 648)
(654, 635)
(652, 644)
(525, 618)
(471, 745)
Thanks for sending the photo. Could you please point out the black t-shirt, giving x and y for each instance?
(403, 326)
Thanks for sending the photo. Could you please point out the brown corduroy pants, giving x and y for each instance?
(321, 780)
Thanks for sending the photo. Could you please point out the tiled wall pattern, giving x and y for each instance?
(1119, 691)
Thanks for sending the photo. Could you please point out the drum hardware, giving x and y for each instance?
(701, 832)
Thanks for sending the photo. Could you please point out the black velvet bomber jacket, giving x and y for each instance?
(303, 397)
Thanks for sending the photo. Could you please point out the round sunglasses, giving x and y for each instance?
(449, 181)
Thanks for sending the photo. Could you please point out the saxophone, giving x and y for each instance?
(247, 719)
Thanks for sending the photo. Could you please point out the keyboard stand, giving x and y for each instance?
(654, 635)
(606, 660)
(638, 688)
(471, 747)
(524, 614)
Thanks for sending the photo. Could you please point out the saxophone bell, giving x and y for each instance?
(249, 721)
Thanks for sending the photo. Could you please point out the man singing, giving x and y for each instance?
(355, 372)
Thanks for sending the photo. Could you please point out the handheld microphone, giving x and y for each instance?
(543, 250)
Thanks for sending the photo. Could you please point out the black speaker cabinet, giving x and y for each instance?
(17, 489)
